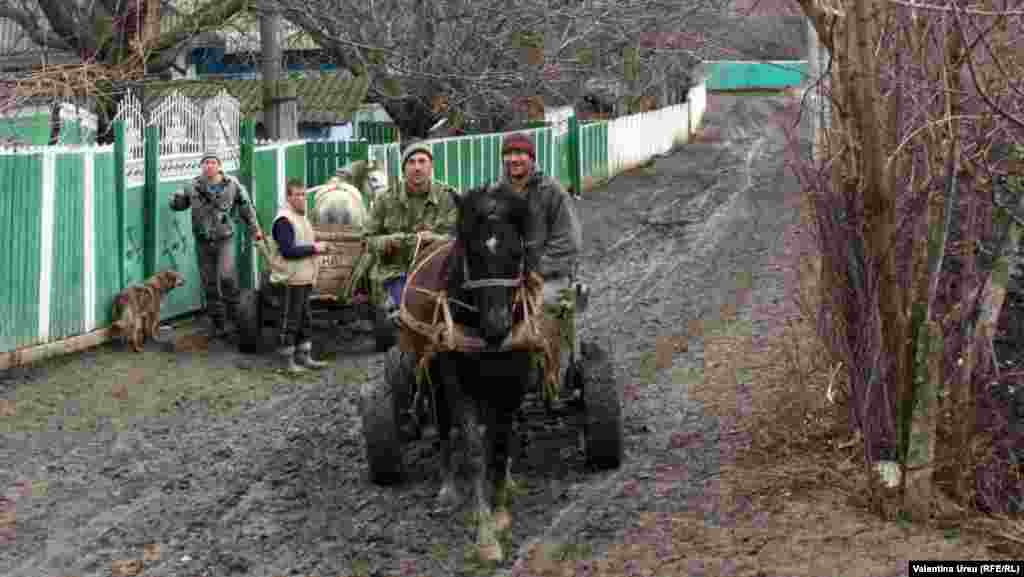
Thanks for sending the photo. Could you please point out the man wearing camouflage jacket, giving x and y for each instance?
(419, 203)
(213, 196)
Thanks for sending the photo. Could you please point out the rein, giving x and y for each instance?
(442, 334)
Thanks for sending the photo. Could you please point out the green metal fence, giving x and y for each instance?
(323, 158)
(377, 132)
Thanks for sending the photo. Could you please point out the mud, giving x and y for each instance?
(211, 464)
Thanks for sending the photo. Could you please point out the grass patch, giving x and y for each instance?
(108, 384)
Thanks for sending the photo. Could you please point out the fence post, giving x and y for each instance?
(151, 171)
(247, 267)
(573, 150)
(246, 151)
(119, 197)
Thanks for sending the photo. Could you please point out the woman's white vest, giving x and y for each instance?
(299, 271)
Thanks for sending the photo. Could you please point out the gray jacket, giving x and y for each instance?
(555, 228)
(211, 214)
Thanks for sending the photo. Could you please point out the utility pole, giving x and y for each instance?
(279, 102)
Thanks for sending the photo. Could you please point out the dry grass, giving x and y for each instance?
(791, 496)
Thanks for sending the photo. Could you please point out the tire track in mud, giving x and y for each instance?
(683, 276)
(280, 487)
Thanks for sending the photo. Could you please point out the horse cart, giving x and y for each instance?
(260, 308)
(400, 407)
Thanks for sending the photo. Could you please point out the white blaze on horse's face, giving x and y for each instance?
(492, 245)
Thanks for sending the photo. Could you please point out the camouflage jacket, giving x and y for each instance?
(211, 211)
(556, 228)
(398, 213)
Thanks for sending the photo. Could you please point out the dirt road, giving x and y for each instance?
(210, 464)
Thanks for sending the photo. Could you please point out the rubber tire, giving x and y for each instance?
(385, 331)
(380, 408)
(250, 322)
(400, 373)
(602, 406)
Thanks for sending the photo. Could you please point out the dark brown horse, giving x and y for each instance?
(480, 392)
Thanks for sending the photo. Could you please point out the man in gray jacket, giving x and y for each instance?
(213, 196)
(556, 234)
(555, 227)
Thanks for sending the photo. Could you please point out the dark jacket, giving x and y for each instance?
(556, 230)
(284, 236)
(211, 212)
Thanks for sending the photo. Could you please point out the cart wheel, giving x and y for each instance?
(250, 322)
(385, 331)
(602, 406)
(382, 404)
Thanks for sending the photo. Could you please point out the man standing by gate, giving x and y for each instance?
(213, 196)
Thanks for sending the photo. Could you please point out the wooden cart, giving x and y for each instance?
(260, 308)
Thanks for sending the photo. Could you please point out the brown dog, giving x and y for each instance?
(137, 308)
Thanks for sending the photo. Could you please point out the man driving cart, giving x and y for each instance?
(418, 204)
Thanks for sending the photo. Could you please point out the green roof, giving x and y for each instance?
(326, 99)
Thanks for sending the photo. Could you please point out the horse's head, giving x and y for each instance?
(492, 228)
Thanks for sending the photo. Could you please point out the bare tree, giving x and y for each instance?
(110, 43)
(926, 101)
(482, 58)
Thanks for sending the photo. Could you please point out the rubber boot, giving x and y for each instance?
(287, 355)
(304, 356)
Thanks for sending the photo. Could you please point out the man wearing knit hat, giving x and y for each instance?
(419, 203)
(556, 233)
(213, 196)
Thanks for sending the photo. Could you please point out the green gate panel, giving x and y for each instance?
(295, 162)
(265, 190)
(104, 213)
(175, 249)
(20, 212)
(67, 286)
(264, 180)
(134, 235)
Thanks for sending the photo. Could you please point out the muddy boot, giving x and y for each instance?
(288, 365)
(304, 356)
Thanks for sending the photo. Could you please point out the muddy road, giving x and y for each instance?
(211, 464)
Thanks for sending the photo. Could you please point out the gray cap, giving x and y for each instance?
(413, 148)
(210, 153)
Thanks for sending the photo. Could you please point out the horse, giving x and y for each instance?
(348, 197)
(480, 392)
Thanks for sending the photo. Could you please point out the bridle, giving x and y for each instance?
(517, 282)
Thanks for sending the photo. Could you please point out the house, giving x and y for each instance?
(325, 100)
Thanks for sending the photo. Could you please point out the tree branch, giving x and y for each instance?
(30, 25)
